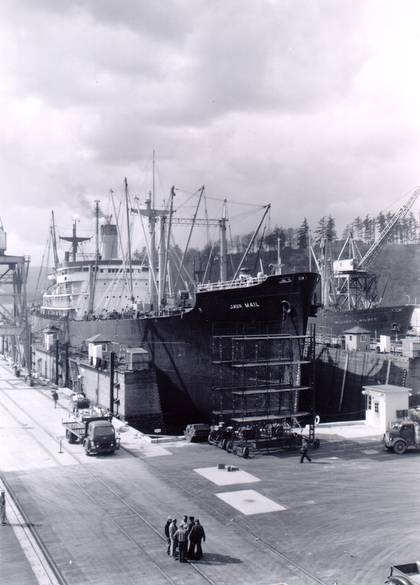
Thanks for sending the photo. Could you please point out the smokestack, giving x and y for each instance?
(3, 240)
(109, 238)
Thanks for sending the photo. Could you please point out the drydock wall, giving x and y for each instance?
(340, 376)
(136, 395)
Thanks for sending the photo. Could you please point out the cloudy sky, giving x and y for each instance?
(310, 105)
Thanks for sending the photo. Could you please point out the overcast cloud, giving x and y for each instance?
(311, 105)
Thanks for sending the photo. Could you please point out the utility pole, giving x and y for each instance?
(223, 244)
(111, 382)
(57, 358)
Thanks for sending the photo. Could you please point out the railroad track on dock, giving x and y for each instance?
(95, 492)
(103, 495)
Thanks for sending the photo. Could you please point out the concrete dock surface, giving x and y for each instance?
(341, 519)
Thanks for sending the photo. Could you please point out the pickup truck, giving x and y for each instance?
(95, 433)
(408, 574)
(402, 435)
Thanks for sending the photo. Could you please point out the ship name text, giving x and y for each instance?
(245, 305)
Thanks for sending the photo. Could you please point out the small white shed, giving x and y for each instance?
(50, 337)
(97, 349)
(357, 339)
(385, 403)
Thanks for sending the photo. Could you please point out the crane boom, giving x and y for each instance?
(374, 249)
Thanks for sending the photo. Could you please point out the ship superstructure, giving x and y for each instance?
(97, 285)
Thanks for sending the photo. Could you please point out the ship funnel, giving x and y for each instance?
(109, 238)
(3, 238)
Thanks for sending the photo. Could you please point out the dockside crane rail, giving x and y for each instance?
(377, 245)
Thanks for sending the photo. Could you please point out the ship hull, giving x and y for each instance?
(393, 321)
(182, 346)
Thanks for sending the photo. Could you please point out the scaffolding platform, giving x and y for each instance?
(263, 386)
(269, 418)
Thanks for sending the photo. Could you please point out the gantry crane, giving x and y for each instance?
(346, 282)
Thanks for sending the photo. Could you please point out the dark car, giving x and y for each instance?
(197, 432)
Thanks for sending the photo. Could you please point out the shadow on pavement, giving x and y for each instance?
(218, 559)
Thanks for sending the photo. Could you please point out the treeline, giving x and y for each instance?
(364, 230)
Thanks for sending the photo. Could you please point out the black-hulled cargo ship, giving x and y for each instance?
(180, 342)
(128, 302)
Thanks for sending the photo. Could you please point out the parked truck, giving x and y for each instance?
(407, 574)
(95, 433)
(402, 435)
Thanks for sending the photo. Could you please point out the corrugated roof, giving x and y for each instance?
(356, 330)
(387, 388)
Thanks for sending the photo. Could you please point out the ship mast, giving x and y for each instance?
(223, 243)
(163, 273)
(130, 271)
(94, 276)
(254, 235)
(75, 241)
(54, 241)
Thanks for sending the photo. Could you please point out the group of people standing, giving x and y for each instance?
(184, 539)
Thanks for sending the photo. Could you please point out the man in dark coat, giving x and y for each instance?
(304, 451)
(190, 524)
(197, 534)
(166, 530)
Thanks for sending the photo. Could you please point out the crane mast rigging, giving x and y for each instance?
(346, 283)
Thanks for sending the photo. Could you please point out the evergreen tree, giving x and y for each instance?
(346, 231)
(381, 221)
(270, 239)
(291, 237)
(303, 235)
(368, 230)
(321, 230)
(331, 233)
(358, 228)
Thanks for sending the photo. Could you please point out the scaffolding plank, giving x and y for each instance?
(269, 390)
(267, 417)
(262, 336)
(270, 363)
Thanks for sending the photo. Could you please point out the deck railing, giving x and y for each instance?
(227, 284)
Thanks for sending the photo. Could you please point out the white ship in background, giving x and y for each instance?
(97, 285)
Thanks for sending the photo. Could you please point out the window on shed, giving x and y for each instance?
(376, 406)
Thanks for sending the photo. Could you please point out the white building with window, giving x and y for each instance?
(357, 339)
(385, 403)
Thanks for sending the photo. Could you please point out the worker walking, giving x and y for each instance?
(55, 398)
(197, 535)
(3, 507)
(172, 531)
(304, 451)
(166, 530)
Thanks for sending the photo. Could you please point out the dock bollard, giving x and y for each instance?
(60, 449)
